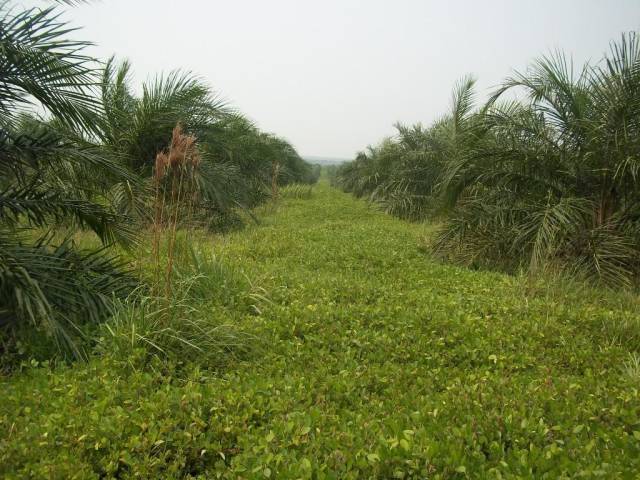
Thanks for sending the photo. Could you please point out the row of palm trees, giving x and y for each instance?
(77, 152)
(544, 175)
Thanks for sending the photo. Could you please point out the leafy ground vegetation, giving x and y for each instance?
(362, 357)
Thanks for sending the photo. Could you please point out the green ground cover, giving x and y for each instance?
(366, 359)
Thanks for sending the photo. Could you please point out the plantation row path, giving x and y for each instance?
(368, 359)
(379, 360)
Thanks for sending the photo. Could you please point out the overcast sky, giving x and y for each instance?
(332, 76)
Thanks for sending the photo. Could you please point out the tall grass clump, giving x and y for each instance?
(147, 331)
(192, 322)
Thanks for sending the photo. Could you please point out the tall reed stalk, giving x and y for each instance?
(176, 192)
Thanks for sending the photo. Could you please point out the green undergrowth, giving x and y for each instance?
(367, 359)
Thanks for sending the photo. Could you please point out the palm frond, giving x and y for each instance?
(39, 62)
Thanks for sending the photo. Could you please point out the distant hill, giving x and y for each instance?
(326, 160)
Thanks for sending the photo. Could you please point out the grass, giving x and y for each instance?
(371, 360)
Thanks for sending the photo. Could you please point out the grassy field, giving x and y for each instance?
(367, 360)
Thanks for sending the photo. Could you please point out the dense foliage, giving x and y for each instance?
(547, 181)
(318, 342)
(51, 179)
(372, 361)
(85, 163)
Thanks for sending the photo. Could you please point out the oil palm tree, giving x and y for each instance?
(554, 181)
(548, 181)
(237, 158)
(50, 177)
(403, 174)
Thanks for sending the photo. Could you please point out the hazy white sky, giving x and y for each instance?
(333, 75)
